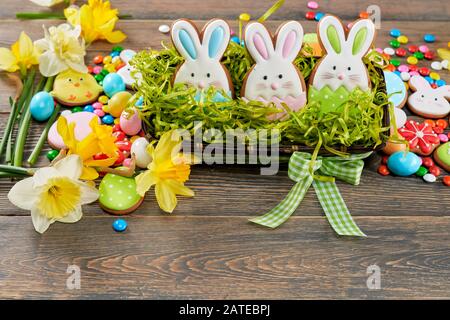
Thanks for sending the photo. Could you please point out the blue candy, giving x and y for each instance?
(319, 15)
(108, 119)
(42, 106)
(112, 84)
(440, 83)
(395, 33)
(235, 39)
(404, 163)
(430, 38)
(429, 79)
(114, 54)
(140, 102)
(89, 108)
(120, 225)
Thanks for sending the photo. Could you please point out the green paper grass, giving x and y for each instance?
(168, 107)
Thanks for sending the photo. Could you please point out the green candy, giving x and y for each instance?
(419, 55)
(52, 154)
(118, 193)
(422, 171)
(99, 77)
(394, 43)
(118, 49)
(104, 72)
(77, 109)
(395, 62)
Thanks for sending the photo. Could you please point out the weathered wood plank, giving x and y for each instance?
(221, 258)
(292, 9)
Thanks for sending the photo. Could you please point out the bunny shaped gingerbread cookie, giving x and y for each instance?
(426, 101)
(274, 77)
(342, 64)
(128, 72)
(202, 53)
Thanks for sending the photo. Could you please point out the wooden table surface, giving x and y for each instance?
(207, 249)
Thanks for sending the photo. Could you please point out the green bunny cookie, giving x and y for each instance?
(118, 194)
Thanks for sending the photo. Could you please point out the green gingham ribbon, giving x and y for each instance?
(301, 171)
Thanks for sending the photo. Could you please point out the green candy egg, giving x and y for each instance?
(118, 193)
(52, 154)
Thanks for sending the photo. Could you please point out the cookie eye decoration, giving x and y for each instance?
(264, 82)
(202, 53)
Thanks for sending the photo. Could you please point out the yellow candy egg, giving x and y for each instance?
(435, 76)
(403, 39)
(111, 68)
(244, 17)
(117, 103)
(107, 60)
(117, 121)
(134, 138)
(412, 60)
(103, 99)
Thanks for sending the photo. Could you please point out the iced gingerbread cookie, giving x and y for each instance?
(442, 156)
(426, 101)
(274, 77)
(82, 128)
(421, 137)
(342, 64)
(118, 194)
(202, 53)
(72, 88)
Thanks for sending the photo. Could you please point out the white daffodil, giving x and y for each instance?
(61, 49)
(54, 193)
(47, 3)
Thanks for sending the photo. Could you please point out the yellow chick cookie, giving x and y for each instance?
(72, 88)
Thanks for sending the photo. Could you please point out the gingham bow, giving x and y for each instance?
(346, 169)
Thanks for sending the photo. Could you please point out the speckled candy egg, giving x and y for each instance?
(404, 163)
(130, 122)
(139, 149)
(118, 194)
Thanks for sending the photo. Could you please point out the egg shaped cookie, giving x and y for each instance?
(72, 88)
(118, 194)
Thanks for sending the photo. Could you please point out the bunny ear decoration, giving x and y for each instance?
(186, 39)
(331, 34)
(360, 38)
(419, 83)
(289, 40)
(444, 91)
(216, 37)
(259, 42)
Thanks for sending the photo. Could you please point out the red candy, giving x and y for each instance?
(400, 52)
(442, 123)
(434, 85)
(413, 68)
(429, 55)
(384, 159)
(98, 59)
(116, 128)
(119, 135)
(90, 69)
(120, 158)
(427, 162)
(383, 170)
(424, 71)
(310, 15)
(438, 130)
(100, 156)
(430, 123)
(124, 145)
(446, 181)
(413, 48)
(435, 171)
(390, 67)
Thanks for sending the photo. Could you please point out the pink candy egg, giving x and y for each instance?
(99, 112)
(424, 49)
(443, 138)
(313, 5)
(403, 68)
(97, 105)
(97, 69)
(131, 124)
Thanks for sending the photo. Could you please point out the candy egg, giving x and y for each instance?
(112, 84)
(139, 149)
(404, 163)
(42, 106)
(117, 103)
(130, 122)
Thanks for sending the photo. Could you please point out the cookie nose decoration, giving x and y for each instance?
(341, 76)
(275, 86)
(201, 85)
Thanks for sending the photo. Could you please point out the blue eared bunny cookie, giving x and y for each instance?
(118, 194)
(202, 53)
(342, 66)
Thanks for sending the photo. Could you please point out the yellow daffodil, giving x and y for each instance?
(48, 3)
(168, 172)
(54, 193)
(97, 21)
(62, 49)
(99, 141)
(22, 56)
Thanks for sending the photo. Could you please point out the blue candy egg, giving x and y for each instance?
(112, 84)
(42, 106)
(395, 33)
(140, 102)
(236, 39)
(120, 225)
(318, 16)
(440, 83)
(404, 163)
(114, 54)
(108, 119)
(429, 79)
(429, 38)
(89, 108)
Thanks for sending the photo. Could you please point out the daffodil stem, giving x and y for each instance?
(16, 170)
(53, 15)
(38, 148)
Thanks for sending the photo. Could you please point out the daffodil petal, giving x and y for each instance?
(40, 221)
(100, 163)
(26, 47)
(8, 60)
(70, 166)
(89, 174)
(50, 65)
(89, 194)
(144, 182)
(47, 3)
(166, 198)
(73, 216)
(42, 175)
(23, 195)
(178, 188)
(168, 147)
(115, 36)
(72, 15)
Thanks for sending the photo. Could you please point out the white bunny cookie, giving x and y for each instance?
(274, 77)
(202, 53)
(342, 65)
(126, 71)
(426, 101)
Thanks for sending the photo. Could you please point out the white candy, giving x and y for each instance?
(164, 28)
(405, 76)
(400, 117)
(66, 113)
(444, 64)
(436, 65)
(429, 178)
(389, 51)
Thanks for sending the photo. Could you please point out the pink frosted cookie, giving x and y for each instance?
(82, 128)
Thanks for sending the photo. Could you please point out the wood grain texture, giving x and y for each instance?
(207, 249)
